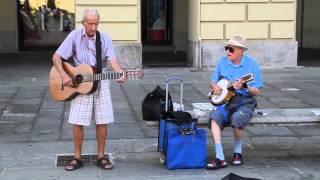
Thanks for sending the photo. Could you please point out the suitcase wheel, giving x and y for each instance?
(162, 158)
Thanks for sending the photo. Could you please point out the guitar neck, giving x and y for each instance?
(102, 76)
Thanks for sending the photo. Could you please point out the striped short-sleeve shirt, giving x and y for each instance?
(83, 48)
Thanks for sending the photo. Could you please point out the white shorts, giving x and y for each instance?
(97, 105)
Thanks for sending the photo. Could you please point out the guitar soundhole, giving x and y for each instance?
(78, 79)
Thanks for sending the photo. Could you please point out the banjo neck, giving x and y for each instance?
(247, 78)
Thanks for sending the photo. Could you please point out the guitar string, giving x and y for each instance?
(101, 76)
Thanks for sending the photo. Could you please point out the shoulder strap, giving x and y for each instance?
(98, 53)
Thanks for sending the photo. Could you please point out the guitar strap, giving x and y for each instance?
(98, 53)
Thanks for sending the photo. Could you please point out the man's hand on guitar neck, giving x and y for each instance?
(117, 68)
(123, 78)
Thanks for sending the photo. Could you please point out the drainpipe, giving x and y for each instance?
(301, 23)
(200, 55)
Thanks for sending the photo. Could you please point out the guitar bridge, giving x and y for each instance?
(62, 86)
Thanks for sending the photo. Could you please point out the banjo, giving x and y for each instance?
(227, 90)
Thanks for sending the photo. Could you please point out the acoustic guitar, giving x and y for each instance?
(85, 80)
(227, 90)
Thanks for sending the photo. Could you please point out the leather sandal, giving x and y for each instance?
(73, 164)
(104, 163)
(217, 164)
(237, 159)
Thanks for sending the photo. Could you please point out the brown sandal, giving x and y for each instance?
(73, 164)
(104, 163)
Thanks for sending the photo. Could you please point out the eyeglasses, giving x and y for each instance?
(230, 49)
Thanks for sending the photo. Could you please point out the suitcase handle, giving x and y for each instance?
(167, 89)
(174, 78)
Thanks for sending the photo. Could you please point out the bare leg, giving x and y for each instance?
(101, 133)
(78, 135)
(237, 133)
(237, 156)
(237, 140)
(104, 163)
(219, 161)
(216, 132)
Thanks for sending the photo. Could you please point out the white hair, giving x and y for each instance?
(89, 11)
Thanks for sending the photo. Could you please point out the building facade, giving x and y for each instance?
(275, 29)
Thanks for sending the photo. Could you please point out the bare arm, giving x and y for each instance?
(57, 62)
(115, 65)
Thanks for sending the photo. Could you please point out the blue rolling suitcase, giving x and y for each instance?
(182, 145)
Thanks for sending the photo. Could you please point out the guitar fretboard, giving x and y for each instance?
(102, 76)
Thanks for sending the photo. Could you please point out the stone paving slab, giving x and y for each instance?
(264, 131)
(36, 127)
(305, 130)
(39, 163)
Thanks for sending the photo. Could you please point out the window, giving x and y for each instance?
(44, 23)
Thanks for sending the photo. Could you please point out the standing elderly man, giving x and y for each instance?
(238, 111)
(81, 45)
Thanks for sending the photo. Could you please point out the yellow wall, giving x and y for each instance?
(8, 15)
(194, 20)
(119, 18)
(207, 19)
(253, 19)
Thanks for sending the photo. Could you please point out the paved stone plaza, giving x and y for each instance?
(34, 128)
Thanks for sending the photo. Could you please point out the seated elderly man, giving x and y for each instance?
(238, 111)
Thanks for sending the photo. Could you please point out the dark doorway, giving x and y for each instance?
(308, 32)
(157, 25)
(44, 24)
(156, 22)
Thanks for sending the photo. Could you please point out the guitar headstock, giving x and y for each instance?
(134, 74)
(247, 78)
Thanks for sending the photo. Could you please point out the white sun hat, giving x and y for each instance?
(238, 41)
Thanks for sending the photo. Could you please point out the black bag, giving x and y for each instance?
(233, 176)
(153, 105)
(179, 117)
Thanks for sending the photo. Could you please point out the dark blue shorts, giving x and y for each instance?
(238, 118)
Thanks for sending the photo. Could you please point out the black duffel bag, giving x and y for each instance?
(153, 104)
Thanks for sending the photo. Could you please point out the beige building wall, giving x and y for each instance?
(269, 26)
(8, 16)
(8, 28)
(194, 47)
(252, 19)
(193, 20)
(119, 18)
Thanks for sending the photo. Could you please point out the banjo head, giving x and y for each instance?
(219, 99)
